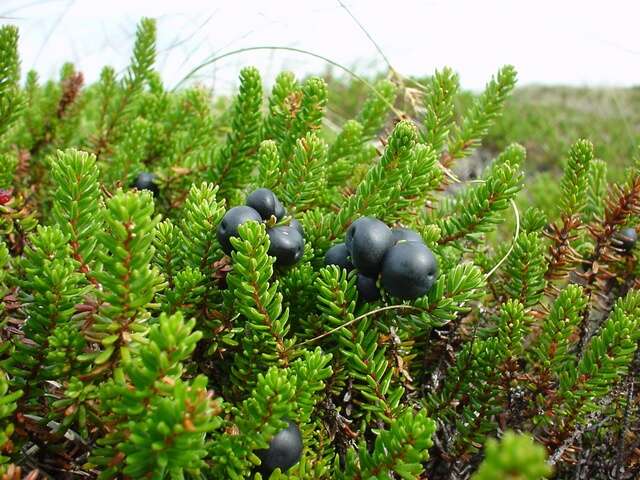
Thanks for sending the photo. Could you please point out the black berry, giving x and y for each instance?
(405, 234)
(146, 181)
(627, 239)
(280, 211)
(264, 201)
(367, 288)
(339, 255)
(297, 225)
(409, 270)
(284, 451)
(228, 227)
(368, 239)
(287, 245)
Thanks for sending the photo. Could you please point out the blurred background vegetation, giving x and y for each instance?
(546, 120)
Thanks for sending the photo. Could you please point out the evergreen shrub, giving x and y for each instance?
(134, 347)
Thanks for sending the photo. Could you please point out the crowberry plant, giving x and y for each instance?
(169, 331)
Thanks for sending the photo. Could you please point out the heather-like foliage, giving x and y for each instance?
(133, 347)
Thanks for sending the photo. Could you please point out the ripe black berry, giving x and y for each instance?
(367, 288)
(264, 201)
(297, 225)
(228, 227)
(409, 270)
(339, 255)
(368, 239)
(287, 245)
(284, 451)
(627, 239)
(146, 181)
(280, 211)
(405, 234)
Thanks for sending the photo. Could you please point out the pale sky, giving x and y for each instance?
(575, 42)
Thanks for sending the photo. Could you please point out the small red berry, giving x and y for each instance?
(5, 196)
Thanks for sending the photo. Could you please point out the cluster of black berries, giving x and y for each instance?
(405, 265)
(284, 451)
(262, 205)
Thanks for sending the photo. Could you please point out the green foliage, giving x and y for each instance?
(258, 419)
(10, 95)
(575, 180)
(475, 389)
(260, 304)
(306, 173)
(5, 258)
(605, 360)
(232, 166)
(404, 176)
(596, 190)
(485, 109)
(9, 163)
(399, 450)
(77, 207)
(352, 147)
(55, 288)
(128, 280)
(386, 182)
(7, 406)
(130, 153)
(117, 98)
(379, 186)
(480, 208)
(516, 457)
(376, 107)
(554, 344)
(439, 116)
(144, 53)
(268, 163)
(160, 420)
(344, 150)
(196, 244)
(448, 297)
(294, 111)
(357, 346)
(284, 103)
(279, 394)
(133, 347)
(514, 156)
(309, 117)
(525, 269)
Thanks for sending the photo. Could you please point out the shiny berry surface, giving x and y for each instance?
(405, 235)
(409, 270)
(285, 450)
(287, 245)
(228, 227)
(368, 240)
(264, 201)
(280, 211)
(367, 288)
(297, 225)
(339, 255)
